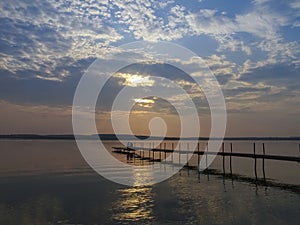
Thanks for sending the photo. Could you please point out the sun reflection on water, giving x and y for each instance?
(134, 204)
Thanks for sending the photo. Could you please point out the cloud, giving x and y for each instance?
(153, 104)
(48, 78)
(207, 22)
(278, 74)
(264, 89)
(135, 80)
(146, 101)
(44, 34)
(140, 18)
(295, 5)
(37, 35)
(219, 65)
(26, 88)
(263, 26)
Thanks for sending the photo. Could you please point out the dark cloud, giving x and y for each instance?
(242, 90)
(157, 105)
(284, 78)
(223, 79)
(25, 88)
(278, 75)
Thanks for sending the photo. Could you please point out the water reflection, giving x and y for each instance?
(135, 204)
(38, 210)
(210, 202)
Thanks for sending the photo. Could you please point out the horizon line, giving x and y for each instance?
(114, 137)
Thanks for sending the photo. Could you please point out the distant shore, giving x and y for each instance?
(113, 137)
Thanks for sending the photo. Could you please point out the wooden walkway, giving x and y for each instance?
(149, 155)
(126, 150)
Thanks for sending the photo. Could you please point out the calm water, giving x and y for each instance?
(47, 182)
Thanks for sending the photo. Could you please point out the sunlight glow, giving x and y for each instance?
(147, 103)
(142, 100)
(135, 80)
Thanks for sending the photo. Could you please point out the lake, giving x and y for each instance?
(48, 182)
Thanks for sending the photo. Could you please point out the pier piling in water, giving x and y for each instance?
(263, 161)
(299, 152)
(165, 147)
(206, 161)
(187, 158)
(172, 152)
(255, 160)
(153, 158)
(179, 153)
(223, 150)
(230, 158)
(198, 157)
(160, 151)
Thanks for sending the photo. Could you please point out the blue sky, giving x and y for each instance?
(252, 47)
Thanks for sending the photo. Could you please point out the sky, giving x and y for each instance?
(251, 47)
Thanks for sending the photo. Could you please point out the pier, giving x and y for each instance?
(148, 154)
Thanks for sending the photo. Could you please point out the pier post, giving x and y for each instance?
(132, 155)
(160, 151)
(198, 148)
(255, 160)
(230, 159)
(299, 153)
(179, 157)
(223, 151)
(179, 154)
(198, 166)
(153, 155)
(187, 154)
(172, 152)
(206, 161)
(263, 161)
(165, 150)
(187, 158)
(149, 152)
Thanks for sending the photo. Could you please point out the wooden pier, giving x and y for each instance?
(126, 150)
(148, 154)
